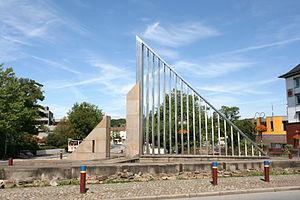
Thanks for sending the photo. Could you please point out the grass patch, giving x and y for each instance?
(272, 172)
(181, 178)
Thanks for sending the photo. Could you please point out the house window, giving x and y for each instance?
(297, 98)
(272, 126)
(93, 146)
(297, 82)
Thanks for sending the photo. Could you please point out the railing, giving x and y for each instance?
(177, 120)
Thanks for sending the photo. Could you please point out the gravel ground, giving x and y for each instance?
(143, 189)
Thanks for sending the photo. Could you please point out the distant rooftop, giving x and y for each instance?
(294, 71)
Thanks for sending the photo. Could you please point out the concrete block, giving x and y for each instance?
(96, 145)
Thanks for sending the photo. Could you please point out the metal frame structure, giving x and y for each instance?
(196, 129)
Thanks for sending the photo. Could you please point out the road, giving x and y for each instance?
(286, 195)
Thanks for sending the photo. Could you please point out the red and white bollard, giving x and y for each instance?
(215, 173)
(83, 179)
(10, 162)
(267, 171)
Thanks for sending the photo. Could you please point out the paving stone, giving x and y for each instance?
(148, 189)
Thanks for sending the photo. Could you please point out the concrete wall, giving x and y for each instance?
(48, 173)
(96, 145)
(133, 122)
(49, 152)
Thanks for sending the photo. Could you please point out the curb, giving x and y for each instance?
(220, 193)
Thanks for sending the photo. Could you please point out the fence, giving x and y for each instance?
(177, 120)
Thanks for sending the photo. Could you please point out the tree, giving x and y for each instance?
(83, 118)
(118, 122)
(231, 113)
(61, 134)
(18, 111)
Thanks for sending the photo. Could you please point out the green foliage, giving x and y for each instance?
(18, 111)
(206, 116)
(83, 118)
(231, 113)
(118, 122)
(62, 132)
(115, 135)
(287, 149)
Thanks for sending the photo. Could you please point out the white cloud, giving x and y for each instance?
(251, 48)
(56, 64)
(178, 34)
(250, 87)
(210, 69)
(27, 22)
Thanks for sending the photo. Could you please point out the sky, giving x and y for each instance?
(231, 51)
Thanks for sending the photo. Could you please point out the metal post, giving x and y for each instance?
(267, 171)
(206, 131)
(232, 148)
(60, 154)
(82, 179)
(219, 135)
(170, 112)
(140, 79)
(147, 102)
(181, 116)
(239, 144)
(158, 105)
(246, 148)
(200, 128)
(187, 119)
(194, 127)
(176, 130)
(164, 137)
(212, 133)
(225, 135)
(214, 173)
(153, 115)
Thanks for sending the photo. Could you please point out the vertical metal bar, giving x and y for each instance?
(232, 148)
(200, 127)
(212, 132)
(225, 135)
(252, 150)
(187, 119)
(239, 144)
(170, 112)
(147, 102)
(219, 135)
(181, 116)
(140, 79)
(206, 131)
(153, 115)
(176, 141)
(194, 127)
(164, 123)
(158, 105)
(246, 148)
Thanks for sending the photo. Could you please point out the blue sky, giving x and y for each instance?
(231, 51)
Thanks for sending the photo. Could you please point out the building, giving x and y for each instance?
(47, 123)
(292, 81)
(275, 135)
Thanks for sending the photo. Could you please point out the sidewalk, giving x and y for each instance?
(156, 189)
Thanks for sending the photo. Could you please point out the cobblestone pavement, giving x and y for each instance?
(146, 189)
